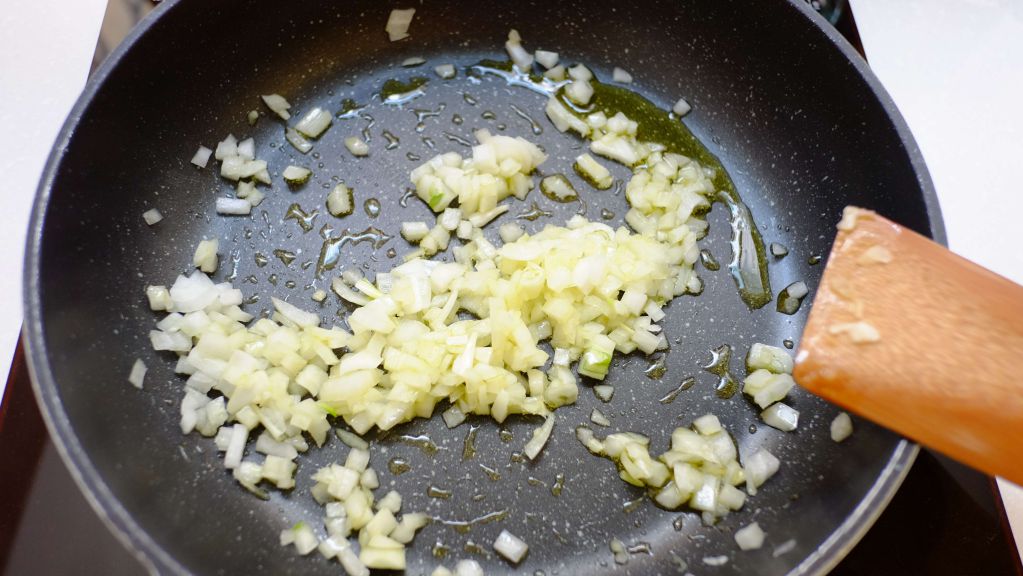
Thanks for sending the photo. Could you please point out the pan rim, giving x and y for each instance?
(157, 560)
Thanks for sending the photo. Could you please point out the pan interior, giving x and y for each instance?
(799, 130)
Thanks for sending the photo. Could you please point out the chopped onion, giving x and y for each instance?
(253, 117)
(546, 59)
(598, 418)
(770, 358)
(247, 149)
(783, 548)
(236, 446)
(539, 438)
(340, 201)
(351, 439)
(781, 416)
(296, 175)
(778, 250)
(356, 146)
(511, 547)
(579, 91)
(414, 231)
(593, 172)
(205, 257)
(445, 71)
(715, 560)
(510, 232)
(202, 156)
(760, 467)
(519, 56)
(558, 188)
(278, 105)
(767, 388)
(556, 74)
(152, 216)
(681, 108)
(233, 207)
(413, 61)
(750, 537)
(604, 392)
(841, 427)
(314, 123)
(620, 75)
(580, 73)
(468, 568)
(226, 148)
(297, 140)
(398, 24)
(138, 373)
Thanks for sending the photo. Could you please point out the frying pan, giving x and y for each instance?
(791, 111)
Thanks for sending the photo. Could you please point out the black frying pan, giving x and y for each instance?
(791, 111)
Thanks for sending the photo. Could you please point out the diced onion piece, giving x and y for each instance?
(414, 231)
(297, 140)
(468, 568)
(770, 358)
(778, 250)
(598, 418)
(295, 314)
(202, 156)
(314, 123)
(278, 104)
(620, 75)
(556, 74)
(247, 149)
(750, 537)
(445, 71)
(563, 119)
(580, 73)
(398, 24)
(510, 232)
(767, 388)
(558, 188)
(760, 467)
(841, 427)
(205, 257)
(252, 117)
(226, 148)
(413, 61)
(351, 439)
(595, 173)
(519, 56)
(236, 446)
(707, 424)
(546, 59)
(604, 392)
(453, 416)
(152, 216)
(681, 107)
(159, 298)
(511, 547)
(781, 416)
(356, 146)
(233, 207)
(340, 201)
(296, 175)
(138, 373)
(579, 91)
(849, 216)
(539, 438)
(481, 219)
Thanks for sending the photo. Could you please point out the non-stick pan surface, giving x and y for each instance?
(793, 114)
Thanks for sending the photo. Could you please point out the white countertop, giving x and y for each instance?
(954, 68)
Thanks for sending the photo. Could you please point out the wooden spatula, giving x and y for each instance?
(921, 341)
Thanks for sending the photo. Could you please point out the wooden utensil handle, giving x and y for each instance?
(944, 368)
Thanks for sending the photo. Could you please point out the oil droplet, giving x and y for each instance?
(479, 497)
(534, 212)
(423, 113)
(606, 214)
(517, 457)
(678, 523)
(488, 115)
(272, 279)
(349, 108)
(491, 473)
(413, 157)
(788, 343)
(463, 526)
(469, 446)
(398, 466)
(814, 260)
(330, 251)
(397, 92)
(261, 259)
(422, 442)
(632, 505)
(440, 551)
(686, 384)
(306, 265)
(409, 193)
(533, 125)
(752, 428)
(285, 256)
(457, 119)
(720, 366)
(657, 368)
(457, 139)
(505, 435)
(392, 140)
(474, 548)
(372, 207)
(303, 218)
(290, 284)
(640, 548)
(439, 493)
(250, 279)
(502, 126)
(749, 262)
(708, 260)
(533, 481)
(248, 233)
(469, 99)
(559, 484)
(558, 188)
(391, 253)
(429, 142)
